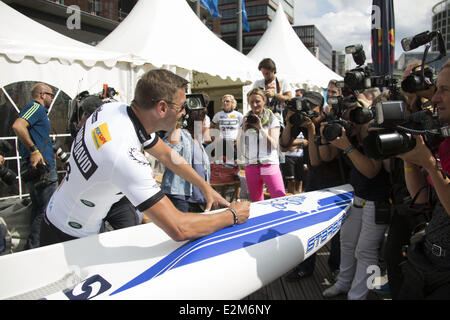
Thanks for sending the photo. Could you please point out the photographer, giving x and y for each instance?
(426, 272)
(277, 91)
(404, 220)
(32, 127)
(363, 229)
(261, 134)
(321, 174)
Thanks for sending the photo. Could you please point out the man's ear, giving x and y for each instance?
(162, 107)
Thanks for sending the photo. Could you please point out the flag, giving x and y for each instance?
(212, 7)
(383, 37)
(244, 17)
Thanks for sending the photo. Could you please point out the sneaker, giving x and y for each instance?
(332, 292)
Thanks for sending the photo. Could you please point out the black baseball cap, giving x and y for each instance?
(314, 98)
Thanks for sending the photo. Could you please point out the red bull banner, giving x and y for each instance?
(383, 37)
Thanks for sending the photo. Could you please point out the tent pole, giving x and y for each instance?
(239, 25)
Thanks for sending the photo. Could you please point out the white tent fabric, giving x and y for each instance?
(294, 61)
(168, 33)
(30, 51)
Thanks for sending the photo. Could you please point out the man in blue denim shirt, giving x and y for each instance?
(184, 195)
(32, 127)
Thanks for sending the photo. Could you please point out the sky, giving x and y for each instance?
(347, 22)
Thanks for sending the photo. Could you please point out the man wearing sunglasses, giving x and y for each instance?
(108, 163)
(32, 128)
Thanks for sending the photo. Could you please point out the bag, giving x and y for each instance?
(418, 214)
(222, 173)
(383, 211)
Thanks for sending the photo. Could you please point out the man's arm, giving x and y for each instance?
(178, 165)
(20, 127)
(181, 226)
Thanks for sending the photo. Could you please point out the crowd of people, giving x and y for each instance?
(110, 179)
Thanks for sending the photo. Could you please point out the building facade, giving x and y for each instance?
(98, 17)
(441, 21)
(314, 40)
(259, 13)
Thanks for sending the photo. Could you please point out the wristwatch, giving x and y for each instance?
(33, 148)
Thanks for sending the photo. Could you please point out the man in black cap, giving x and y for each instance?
(320, 174)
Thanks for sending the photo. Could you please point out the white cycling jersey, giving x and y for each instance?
(106, 163)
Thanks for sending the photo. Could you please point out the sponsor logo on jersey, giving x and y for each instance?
(82, 157)
(87, 203)
(75, 225)
(101, 135)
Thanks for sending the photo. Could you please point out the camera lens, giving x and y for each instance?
(332, 131)
(412, 83)
(360, 115)
(252, 119)
(394, 143)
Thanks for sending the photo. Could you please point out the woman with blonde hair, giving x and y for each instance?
(229, 121)
(261, 132)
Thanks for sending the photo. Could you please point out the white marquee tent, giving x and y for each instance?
(294, 61)
(30, 51)
(168, 34)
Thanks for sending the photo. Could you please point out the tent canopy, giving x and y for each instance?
(168, 33)
(294, 61)
(29, 51)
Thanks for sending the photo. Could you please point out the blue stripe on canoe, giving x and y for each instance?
(254, 231)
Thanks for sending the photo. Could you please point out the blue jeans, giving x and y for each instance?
(40, 196)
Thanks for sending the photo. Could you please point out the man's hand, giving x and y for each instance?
(242, 210)
(213, 199)
(35, 158)
(420, 155)
(2, 160)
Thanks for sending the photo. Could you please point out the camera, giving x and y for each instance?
(422, 78)
(7, 175)
(252, 119)
(333, 129)
(396, 131)
(64, 157)
(302, 109)
(39, 175)
(362, 77)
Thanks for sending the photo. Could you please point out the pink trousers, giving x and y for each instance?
(269, 174)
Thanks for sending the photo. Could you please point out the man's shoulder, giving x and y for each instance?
(32, 108)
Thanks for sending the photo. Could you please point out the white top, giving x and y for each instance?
(284, 85)
(297, 152)
(229, 123)
(107, 163)
(257, 148)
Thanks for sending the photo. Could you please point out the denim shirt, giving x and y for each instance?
(174, 184)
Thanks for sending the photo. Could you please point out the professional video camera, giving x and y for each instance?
(75, 112)
(302, 109)
(422, 78)
(7, 175)
(194, 101)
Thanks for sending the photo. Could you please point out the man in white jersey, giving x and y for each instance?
(107, 163)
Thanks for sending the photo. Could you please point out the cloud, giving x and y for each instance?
(346, 22)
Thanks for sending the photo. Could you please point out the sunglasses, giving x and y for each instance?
(50, 94)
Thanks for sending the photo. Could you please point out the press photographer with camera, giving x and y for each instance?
(305, 115)
(261, 131)
(277, 90)
(363, 229)
(32, 128)
(426, 272)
